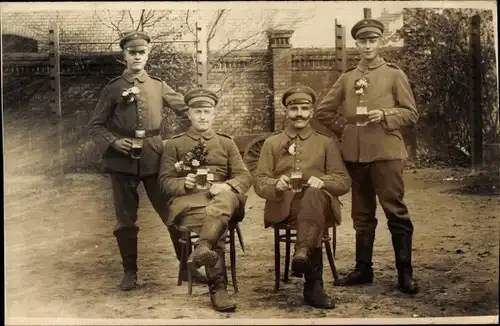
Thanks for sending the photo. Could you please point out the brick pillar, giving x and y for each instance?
(280, 50)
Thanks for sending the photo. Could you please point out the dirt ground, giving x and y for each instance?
(62, 260)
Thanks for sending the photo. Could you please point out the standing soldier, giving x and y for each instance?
(300, 157)
(126, 128)
(378, 101)
(206, 210)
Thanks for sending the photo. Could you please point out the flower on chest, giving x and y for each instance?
(194, 158)
(360, 85)
(129, 95)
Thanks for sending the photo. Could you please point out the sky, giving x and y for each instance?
(312, 22)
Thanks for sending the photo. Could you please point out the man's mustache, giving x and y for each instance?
(299, 118)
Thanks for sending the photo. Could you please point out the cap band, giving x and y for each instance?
(370, 30)
(298, 98)
(135, 43)
(201, 101)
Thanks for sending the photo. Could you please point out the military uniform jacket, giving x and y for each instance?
(113, 114)
(316, 155)
(224, 162)
(389, 91)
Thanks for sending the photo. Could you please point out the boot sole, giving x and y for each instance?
(226, 309)
(208, 259)
(128, 288)
(299, 265)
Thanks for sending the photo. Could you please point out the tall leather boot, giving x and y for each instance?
(203, 255)
(175, 235)
(217, 280)
(314, 294)
(128, 252)
(307, 233)
(402, 244)
(363, 272)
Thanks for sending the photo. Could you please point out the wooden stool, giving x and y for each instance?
(288, 238)
(186, 241)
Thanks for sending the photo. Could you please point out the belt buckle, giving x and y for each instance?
(140, 134)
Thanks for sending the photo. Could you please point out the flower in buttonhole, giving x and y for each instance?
(291, 149)
(134, 90)
(360, 85)
(195, 163)
(125, 93)
(178, 166)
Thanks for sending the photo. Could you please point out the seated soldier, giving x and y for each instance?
(300, 173)
(208, 211)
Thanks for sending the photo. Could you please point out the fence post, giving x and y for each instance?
(476, 112)
(367, 13)
(201, 56)
(340, 47)
(55, 68)
(55, 86)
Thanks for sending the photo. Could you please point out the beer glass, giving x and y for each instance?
(296, 181)
(137, 142)
(201, 178)
(362, 116)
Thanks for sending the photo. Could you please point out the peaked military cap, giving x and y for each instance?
(367, 27)
(200, 98)
(134, 40)
(298, 95)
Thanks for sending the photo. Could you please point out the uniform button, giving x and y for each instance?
(298, 161)
(297, 168)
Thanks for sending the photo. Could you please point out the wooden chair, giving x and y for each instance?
(186, 241)
(288, 238)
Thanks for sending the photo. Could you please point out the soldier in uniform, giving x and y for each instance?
(128, 114)
(206, 212)
(374, 150)
(321, 171)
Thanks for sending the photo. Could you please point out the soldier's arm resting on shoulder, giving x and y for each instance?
(241, 179)
(337, 179)
(327, 113)
(175, 101)
(170, 182)
(405, 114)
(101, 136)
(265, 181)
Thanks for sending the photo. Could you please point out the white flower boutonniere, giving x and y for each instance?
(128, 95)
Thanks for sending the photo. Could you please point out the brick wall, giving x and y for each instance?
(250, 85)
(88, 26)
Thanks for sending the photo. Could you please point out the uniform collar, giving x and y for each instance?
(377, 62)
(128, 76)
(191, 132)
(302, 133)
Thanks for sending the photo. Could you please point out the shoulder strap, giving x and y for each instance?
(223, 134)
(393, 65)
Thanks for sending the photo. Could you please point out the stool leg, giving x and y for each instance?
(334, 240)
(190, 274)
(276, 259)
(331, 260)
(287, 255)
(232, 253)
(183, 262)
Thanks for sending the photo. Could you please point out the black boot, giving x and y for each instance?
(128, 251)
(307, 233)
(402, 244)
(203, 255)
(218, 285)
(363, 272)
(175, 236)
(314, 294)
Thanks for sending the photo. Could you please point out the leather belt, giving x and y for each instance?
(133, 133)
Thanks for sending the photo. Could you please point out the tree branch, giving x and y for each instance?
(213, 28)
